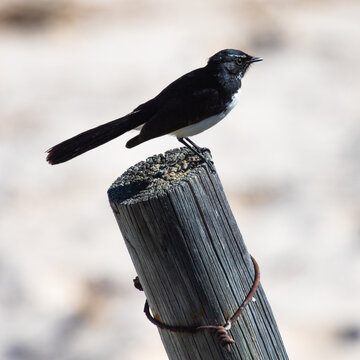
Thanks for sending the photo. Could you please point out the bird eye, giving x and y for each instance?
(240, 59)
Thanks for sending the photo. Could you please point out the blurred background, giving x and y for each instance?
(288, 156)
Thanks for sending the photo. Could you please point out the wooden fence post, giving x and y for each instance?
(191, 259)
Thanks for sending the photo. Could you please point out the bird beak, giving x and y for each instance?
(254, 59)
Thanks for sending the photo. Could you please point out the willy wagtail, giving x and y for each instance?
(189, 105)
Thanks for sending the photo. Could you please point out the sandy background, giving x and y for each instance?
(288, 156)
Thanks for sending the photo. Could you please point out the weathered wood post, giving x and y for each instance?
(191, 258)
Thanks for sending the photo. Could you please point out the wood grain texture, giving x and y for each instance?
(191, 258)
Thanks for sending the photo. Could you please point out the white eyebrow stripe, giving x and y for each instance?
(239, 56)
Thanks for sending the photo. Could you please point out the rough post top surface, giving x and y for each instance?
(156, 175)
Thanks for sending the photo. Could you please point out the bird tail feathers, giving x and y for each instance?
(92, 138)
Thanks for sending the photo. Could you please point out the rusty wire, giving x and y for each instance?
(221, 331)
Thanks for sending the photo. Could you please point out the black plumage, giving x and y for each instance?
(189, 105)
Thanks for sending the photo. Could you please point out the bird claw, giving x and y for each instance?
(211, 166)
(203, 149)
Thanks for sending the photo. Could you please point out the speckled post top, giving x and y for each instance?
(155, 175)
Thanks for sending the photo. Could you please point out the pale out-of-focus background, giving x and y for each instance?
(288, 156)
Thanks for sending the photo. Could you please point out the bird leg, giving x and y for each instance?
(198, 148)
(198, 151)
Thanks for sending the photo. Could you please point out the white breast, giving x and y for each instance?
(206, 123)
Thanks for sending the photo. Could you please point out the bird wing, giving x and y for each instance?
(182, 108)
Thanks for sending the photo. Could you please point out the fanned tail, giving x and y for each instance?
(91, 139)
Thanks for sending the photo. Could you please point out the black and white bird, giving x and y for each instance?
(191, 104)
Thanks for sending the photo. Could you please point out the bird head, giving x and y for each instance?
(234, 61)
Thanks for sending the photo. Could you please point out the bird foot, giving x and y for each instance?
(199, 151)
